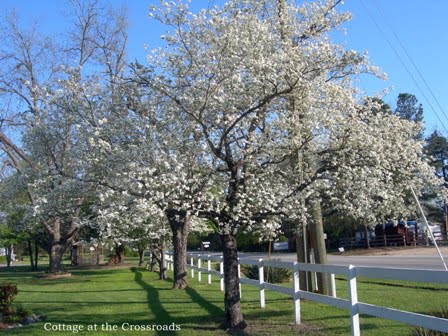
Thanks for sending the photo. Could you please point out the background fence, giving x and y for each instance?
(409, 239)
(197, 262)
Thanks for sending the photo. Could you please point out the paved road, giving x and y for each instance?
(411, 261)
(416, 262)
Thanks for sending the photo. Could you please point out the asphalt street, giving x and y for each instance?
(394, 261)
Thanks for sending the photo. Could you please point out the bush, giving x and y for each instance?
(128, 252)
(443, 313)
(22, 311)
(271, 274)
(8, 291)
(12, 319)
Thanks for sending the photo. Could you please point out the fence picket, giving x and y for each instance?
(352, 304)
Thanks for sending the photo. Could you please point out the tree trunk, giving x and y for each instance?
(36, 256)
(153, 260)
(30, 251)
(56, 254)
(233, 314)
(140, 255)
(56, 247)
(179, 223)
(162, 268)
(302, 251)
(58, 244)
(9, 249)
(33, 255)
(366, 234)
(119, 251)
(320, 252)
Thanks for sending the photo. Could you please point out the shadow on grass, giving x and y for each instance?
(216, 313)
(161, 315)
(20, 269)
(211, 322)
(80, 291)
(211, 308)
(400, 285)
(84, 302)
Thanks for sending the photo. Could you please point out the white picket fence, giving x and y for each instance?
(351, 272)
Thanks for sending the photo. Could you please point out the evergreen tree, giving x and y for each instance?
(409, 108)
(437, 148)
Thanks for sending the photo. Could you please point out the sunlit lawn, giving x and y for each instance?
(135, 296)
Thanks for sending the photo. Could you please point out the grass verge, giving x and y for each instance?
(135, 297)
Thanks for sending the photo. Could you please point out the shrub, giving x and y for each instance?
(22, 311)
(271, 274)
(128, 252)
(12, 319)
(443, 313)
(8, 291)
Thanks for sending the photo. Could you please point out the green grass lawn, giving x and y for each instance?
(135, 296)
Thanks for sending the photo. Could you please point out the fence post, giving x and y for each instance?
(209, 267)
(192, 266)
(165, 262)
(261, 280)
(296, 295)
(199, 268)
(221, 273)
(239, 276)
(333, 285)
(353, 299)
(170, 262)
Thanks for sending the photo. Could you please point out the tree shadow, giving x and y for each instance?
(204, 303)
(155, 305)
(400, 285)
(79, 291)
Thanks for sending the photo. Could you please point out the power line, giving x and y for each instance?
(410, 58)
(402, 62)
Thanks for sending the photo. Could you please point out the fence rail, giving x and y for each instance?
(352, 304)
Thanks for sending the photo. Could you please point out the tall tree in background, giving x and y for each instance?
(437, 149)
(380, 106)
(410, 109)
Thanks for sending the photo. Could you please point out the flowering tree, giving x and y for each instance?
(125, 219)
(140, 154)
(271, 98)
(42, 92)
(389, 162)
(231, 73)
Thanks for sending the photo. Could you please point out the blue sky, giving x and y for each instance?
(420, 25)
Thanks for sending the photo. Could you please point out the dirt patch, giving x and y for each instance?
(55, 276)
